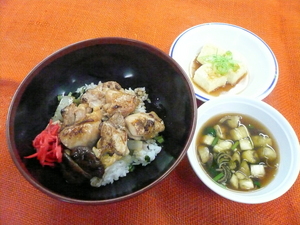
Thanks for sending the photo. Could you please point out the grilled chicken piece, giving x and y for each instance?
(113, 136)
(144, 126)
(82, 133)
(119, 101)
(112, 97)
(111, 85)
(74, 114)
(95, 97)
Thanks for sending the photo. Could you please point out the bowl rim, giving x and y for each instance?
(237, 196)
(66, 50)
(206, 97)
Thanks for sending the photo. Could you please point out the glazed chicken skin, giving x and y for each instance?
(80, 126)
(95, 97)
(74, 114)
(144, 126)
(118, 101)
(112, 144)
(113, 136)
(112, 98)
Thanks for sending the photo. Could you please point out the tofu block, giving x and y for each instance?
(206, 79)
(208, 50)
(257, 170)
(206, 75)
(234, 77)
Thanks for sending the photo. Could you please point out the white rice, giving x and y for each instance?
(87, 87)
(142, 96)
(149, 151)
(121, 167)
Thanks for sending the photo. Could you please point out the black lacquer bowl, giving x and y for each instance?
(132, 64)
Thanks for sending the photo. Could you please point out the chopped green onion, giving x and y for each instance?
(218, 177)
(159, 139)
(147, 158)
(251, 126)
(234, 146)
(131, 168)
(77, 101)
(212, 169)
(215, 141)
(76, 95)
(222, 63)
(210, 130)
(59, 97)
(257, 183)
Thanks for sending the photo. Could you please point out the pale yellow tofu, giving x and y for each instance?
(208, 50)
(234, 77)
(207, 79)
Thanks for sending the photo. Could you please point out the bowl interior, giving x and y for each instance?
(280, 129)
(130, 63)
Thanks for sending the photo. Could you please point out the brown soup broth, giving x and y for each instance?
(270, 172)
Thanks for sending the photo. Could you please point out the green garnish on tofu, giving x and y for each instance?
(221, 64)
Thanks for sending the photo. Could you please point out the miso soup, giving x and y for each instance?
(238, 152)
